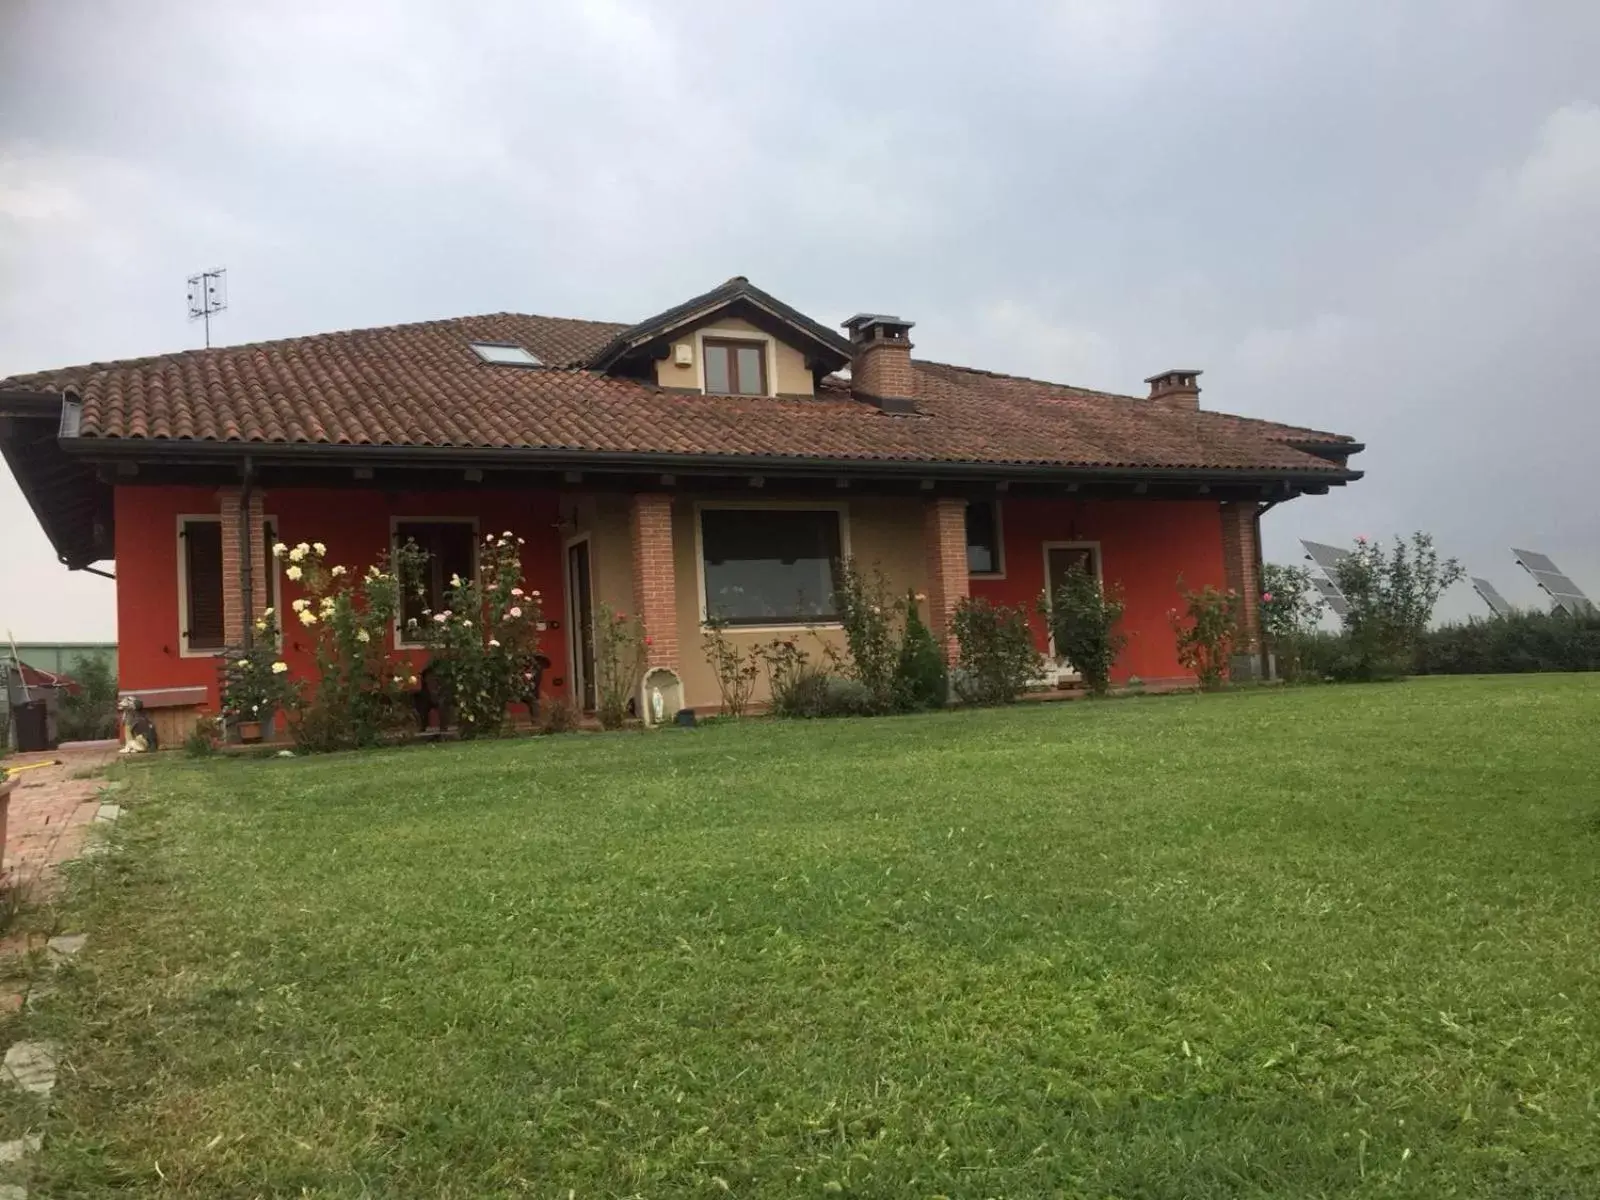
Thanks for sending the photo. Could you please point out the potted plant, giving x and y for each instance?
(254, 682)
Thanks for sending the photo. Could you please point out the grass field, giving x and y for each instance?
(1324, 942)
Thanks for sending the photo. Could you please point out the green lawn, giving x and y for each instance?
(1323, 942)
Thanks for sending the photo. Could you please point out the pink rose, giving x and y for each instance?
(515, 612)
(1266, 597)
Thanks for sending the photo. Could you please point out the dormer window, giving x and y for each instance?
(505, 354)
(735, 368)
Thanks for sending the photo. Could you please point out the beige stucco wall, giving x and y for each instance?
(786, 366)
(880, 534)
(607, 519)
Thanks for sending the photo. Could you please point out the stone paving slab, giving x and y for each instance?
(31, 1066)
(19, 1148)
(51, 812)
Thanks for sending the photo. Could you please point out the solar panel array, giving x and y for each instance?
(1332, 594)
(1327, 557)
(1566, 594)
(1492, 597)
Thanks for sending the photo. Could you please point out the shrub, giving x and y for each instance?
(922, 679)
(559, 716)
(1290, 610)
(868, 617)
(1391, 597)
(1207, 630)
(90, 713)
(484, 644)
(619, 654)
(1083, 620)
(203, 738)
(255, 682)
(360, 692)
(1523, 641)
(842, 697)
(997, 655)
(796, 684)
(736, 671)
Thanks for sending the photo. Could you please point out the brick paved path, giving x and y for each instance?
(51, 812)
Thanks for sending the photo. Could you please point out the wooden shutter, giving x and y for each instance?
(202, 551)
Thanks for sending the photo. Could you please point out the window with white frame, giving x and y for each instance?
(451, 549)
(770, 566)
(202, 629)
(984, 555)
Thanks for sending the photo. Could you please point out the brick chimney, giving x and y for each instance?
(880, 362)
(1178, 388)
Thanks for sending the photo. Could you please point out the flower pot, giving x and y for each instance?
(250, 731)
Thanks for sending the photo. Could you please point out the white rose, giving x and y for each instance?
(296, 554)
(307, 617)
(279, 550)
(294, 572)
(278, 668)
(337, 571)
(363, 636)
(301, 605)
(319, 548)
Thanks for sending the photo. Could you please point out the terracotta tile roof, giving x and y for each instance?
(422, 385)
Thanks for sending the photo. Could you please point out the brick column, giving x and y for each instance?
(1241, 557)
(234, 616)
(944, 537)
(655, 583)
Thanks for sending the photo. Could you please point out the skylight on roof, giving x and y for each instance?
(505, 354)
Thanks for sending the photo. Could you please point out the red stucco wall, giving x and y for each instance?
(353, 524)
(1144, 544)
(147, 588)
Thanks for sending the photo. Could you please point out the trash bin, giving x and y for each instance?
(33, 725)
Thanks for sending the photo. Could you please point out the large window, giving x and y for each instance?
(200, 571)
(983, 538)
(451, 547)
(735, 368)
(769, 566)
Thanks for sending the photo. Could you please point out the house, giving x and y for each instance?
(717, 457)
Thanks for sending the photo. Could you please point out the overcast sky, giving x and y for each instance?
(1371, 216)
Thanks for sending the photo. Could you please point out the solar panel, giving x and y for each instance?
(1492, 597)
(1331, 594)
(1566, 594)
(1534, 561)
(1325, 556)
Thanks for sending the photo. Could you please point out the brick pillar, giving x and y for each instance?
(944, 536)
(1241, 557)
(655, 584)
(234, 616)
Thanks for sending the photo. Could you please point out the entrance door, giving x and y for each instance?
(1059, 558)
(580, 623)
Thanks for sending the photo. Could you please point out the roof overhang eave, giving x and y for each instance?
(41, 419)
(625, 343)
(195, 452)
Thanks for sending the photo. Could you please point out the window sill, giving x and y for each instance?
(185, 652)
(985, 576)
(776, 627)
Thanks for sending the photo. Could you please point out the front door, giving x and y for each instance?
(1059, 558)
(580, 623)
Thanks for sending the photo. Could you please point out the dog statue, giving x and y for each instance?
(138, 731)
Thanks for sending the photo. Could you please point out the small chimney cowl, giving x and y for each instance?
(1177, 388)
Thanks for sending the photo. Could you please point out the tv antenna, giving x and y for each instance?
(208, 294)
